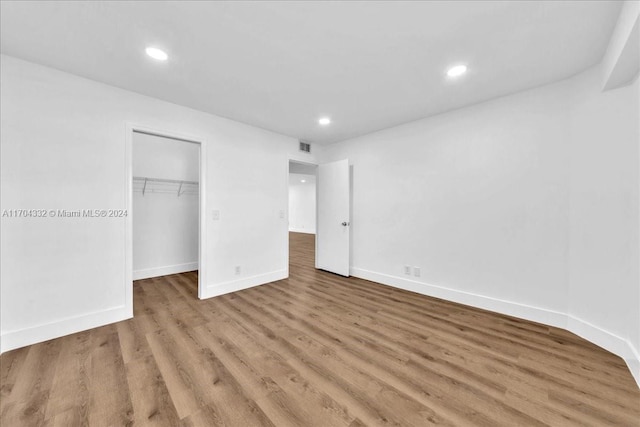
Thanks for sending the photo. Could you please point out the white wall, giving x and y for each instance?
(302, 203)
(526, 205)
(168, 158)
(63, 147)
(477, 198)
(165, 226)
(604, 216)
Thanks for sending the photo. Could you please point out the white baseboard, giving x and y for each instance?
(217, 289)
(165, 270)
(607, 340)
(10, 340)
(536, 314)
(302, 230)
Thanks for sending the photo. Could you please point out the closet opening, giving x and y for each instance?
(302, 216)
(165, 217)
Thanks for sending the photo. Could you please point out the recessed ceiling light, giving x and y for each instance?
(156, 53)
(303, 180)
(457, 71)
(324, 121)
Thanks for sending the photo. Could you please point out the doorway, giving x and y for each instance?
(165, 221)
(302, 215)
(325, 235)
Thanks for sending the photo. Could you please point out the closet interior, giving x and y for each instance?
(166, 199)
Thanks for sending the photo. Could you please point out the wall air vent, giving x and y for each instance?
(305, 147)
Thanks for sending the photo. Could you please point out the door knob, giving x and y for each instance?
(345, 223)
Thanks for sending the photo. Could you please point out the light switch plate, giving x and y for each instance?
(216, 215)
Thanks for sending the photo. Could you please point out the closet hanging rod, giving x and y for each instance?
(180, 182)
(169, 181)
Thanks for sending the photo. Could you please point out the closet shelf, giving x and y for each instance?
(160, 185)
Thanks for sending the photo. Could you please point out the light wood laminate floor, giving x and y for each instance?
(314, 350)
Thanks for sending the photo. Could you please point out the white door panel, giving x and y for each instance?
(333, 218)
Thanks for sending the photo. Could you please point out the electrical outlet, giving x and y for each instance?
(237, 269)
(281, 214)
(407, 270)
(416, 271)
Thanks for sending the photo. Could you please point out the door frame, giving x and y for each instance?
(201, 142)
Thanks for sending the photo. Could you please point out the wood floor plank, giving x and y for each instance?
(484, 331)
(314, 350)
(27, 402)
(381, 371)
(10, 368)
(395, 359)
(69, 397)
(539, 352)
(178, 381)
(457, 369)
(278, 380)
(150, 398)
(132, 336)
(206, 416)
(110, 396)
(256, 374)
(215, 383)
(345, 390)
(403, 375)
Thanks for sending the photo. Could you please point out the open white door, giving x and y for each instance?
(334, 216)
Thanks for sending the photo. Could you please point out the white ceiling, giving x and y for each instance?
(282, 65)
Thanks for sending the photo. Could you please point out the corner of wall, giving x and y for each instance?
(621, 61)
(164, 270)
